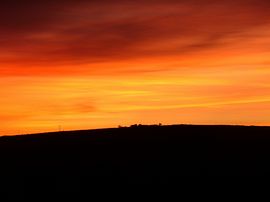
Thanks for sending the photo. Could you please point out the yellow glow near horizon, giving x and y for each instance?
(207, 96)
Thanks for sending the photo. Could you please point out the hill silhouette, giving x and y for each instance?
(137, 154)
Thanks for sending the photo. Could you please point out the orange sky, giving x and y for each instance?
(82, 64)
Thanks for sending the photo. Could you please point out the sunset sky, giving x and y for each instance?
(84, 64)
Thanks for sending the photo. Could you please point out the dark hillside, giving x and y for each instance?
(138, 154)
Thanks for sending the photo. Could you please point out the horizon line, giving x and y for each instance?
(133, 126)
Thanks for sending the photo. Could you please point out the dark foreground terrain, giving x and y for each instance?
(138, 154)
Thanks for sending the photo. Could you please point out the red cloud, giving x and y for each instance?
(53, 33)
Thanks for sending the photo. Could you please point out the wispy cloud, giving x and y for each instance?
(53, 33)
